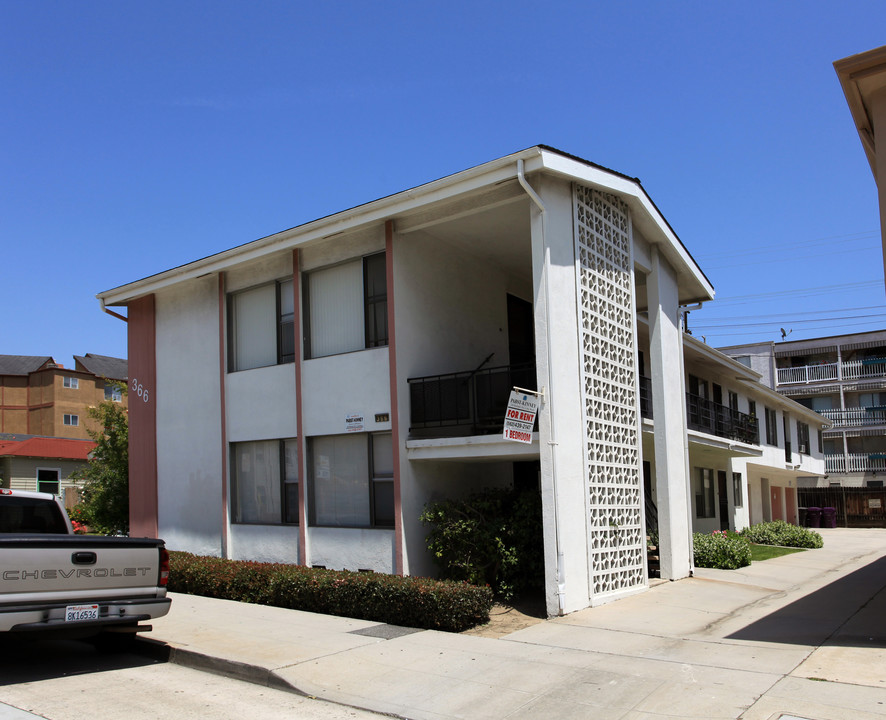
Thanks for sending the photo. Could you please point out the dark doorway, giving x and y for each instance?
(723, 499)
(527, 476)
(521, 332)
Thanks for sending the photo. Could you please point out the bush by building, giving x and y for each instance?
(409, 601)
(779, 532)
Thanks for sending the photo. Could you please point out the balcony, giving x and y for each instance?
(808, 374)
(465, 403)
(713, 418)
(855, 417)
(849, 370)
(474, 403)
(855, 462)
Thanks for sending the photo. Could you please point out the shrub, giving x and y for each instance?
(493, 538)
(779, 532)
(409, 601)
(721, 549)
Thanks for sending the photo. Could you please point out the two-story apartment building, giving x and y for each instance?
(39, 396)
(843, 378)
(300, 398)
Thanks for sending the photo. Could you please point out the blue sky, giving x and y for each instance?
(135, 137)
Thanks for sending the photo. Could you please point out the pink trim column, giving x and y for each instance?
(300, 437)
(142, 351)
(222, 333)
(395, 415)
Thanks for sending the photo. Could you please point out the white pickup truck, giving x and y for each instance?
(84, 585)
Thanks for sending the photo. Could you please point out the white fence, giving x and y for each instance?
(849, 370)
(855, 462)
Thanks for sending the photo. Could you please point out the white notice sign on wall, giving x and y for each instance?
(520, 416)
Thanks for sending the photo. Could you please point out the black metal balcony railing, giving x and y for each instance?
(474, 403)
(707, 416)
(471, 402)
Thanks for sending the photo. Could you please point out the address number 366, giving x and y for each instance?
(140, 390)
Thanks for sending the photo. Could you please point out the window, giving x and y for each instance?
(872, 400)
(802, 438)
(352, 480)
(704, 493)
(47, 481)
(264, 485)
(72, 420)
(752, 408)
(743, 359)
(261, 324)
(771, 427)
(737, 490)
(733, 401)
(71, 382)
(346, 307)
(698, 387)
(113, 393)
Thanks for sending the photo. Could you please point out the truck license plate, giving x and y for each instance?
(74, 613)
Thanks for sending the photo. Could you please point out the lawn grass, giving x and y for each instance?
(767, 552)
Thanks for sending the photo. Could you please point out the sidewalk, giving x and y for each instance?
(801, 636)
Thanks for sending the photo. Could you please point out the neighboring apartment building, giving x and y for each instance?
(843, 378)
(44, 464)
(302, 397)
(38, 396)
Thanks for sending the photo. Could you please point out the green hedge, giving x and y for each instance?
(721, 549)
(492, 537)
(410, 601)
(779, 532)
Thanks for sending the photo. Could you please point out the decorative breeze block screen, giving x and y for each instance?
(606, 316)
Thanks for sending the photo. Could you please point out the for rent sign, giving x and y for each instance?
(520, 416)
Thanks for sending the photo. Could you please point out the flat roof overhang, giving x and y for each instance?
(475, 448)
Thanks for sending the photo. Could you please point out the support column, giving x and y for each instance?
(669, 408)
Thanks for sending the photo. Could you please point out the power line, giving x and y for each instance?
(794, 314)
(792, 322)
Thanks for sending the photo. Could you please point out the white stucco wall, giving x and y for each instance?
(352, 549)
(260, 404)
(562, 443)
(264, 543)
(189, 448)
(334, 386)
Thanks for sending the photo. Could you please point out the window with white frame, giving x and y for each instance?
(737, 490)
(264, 482)
(704, 493)
(113, 392)
(352, 480)
(803, 438)
(71, 382)
(261, 326)
(346, 307)
(72, 420)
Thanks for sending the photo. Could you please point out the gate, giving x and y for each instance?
(855, 506)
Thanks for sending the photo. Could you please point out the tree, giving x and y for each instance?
(105, 494)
